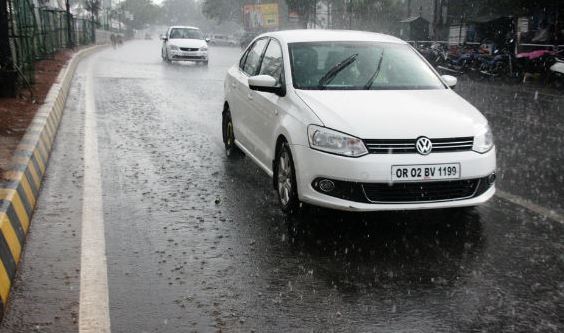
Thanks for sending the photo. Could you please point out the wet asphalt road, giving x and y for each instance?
(195, 242)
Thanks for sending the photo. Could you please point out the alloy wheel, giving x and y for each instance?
(285, 174)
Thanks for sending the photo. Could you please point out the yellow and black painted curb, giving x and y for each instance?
(22, 182)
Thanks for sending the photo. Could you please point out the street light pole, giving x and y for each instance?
(5, 51)
(70, 43)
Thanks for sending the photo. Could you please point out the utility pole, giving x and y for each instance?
(70, 43)
(435, 21)
(5, 50)
(350, 10)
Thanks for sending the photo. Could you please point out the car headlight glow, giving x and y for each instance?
(174, 47)
(204, 48)
(483, 142)
(331, 141)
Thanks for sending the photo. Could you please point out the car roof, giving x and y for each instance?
(184, 27)
(312, 35)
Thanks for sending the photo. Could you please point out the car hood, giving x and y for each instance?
(395, 114)
(191, 43)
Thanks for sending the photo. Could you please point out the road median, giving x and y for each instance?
(21, 183)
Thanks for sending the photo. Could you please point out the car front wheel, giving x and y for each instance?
(286, 184)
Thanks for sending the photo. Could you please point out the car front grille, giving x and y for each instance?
(188, 57)
(188, 49)
(407, 146)
(424, 191)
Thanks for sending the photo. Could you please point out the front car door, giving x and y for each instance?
(241, 96)
(165, 43)
(264, 105)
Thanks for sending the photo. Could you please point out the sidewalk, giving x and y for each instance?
(17, 113)
(29, 130)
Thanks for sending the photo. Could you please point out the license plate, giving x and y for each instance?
(425, 172)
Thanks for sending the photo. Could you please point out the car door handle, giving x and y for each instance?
(250, 97)
(233, 85)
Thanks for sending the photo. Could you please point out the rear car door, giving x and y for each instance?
(242, 98)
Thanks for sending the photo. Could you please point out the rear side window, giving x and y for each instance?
(252, 58)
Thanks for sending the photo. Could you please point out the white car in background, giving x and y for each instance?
(181, 43)
(222, 40)
(356, 121)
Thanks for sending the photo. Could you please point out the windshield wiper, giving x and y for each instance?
(332, 73)
(370, 82)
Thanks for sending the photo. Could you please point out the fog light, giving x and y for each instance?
(491, 178)
(326, 185)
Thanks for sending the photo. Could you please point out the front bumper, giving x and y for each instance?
(189, 55)
(312, 165)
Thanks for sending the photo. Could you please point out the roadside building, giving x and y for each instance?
(433, 12)
(414, 28)
(527, 24)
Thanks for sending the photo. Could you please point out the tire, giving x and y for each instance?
(285, 182)
(205, 63)
(231, 149)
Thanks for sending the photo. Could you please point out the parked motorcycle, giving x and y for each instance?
(556, 71)
(503, 64)
(435, 53)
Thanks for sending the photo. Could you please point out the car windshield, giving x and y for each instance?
(185, 33)
(359, 66)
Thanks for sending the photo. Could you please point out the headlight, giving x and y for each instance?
(330, 141)
(174, 47)
(483, 142)
(204, 48)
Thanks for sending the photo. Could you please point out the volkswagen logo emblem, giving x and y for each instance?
(424, 145)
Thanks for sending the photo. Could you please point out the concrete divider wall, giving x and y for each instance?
(20, 189)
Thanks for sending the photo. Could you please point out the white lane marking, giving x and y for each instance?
(549, 213)
(94, 314)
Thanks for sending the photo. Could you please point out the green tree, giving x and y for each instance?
(476, 8)
(223, 10)
(179, 12)
(93, 6)
(144, 12)
(371, 15)
(304, 8)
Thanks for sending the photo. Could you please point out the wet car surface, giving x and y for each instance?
(196, 242)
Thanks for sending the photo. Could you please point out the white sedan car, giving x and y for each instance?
(182, 43)
(356, 121)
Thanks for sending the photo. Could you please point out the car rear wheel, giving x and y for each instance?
(286, 184)
(231, 149)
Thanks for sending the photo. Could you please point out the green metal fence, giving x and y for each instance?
(37, 33)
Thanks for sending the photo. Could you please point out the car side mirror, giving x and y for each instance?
(450, 81)
(163, 37)
(207, 39)
(266, 83)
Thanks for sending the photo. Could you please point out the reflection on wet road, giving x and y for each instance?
(196, 242)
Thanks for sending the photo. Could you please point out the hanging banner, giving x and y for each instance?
(260, 16)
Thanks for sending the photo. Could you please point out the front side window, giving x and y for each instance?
(185, 33)
(359, 66)
(252, 60)
(272, 63)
